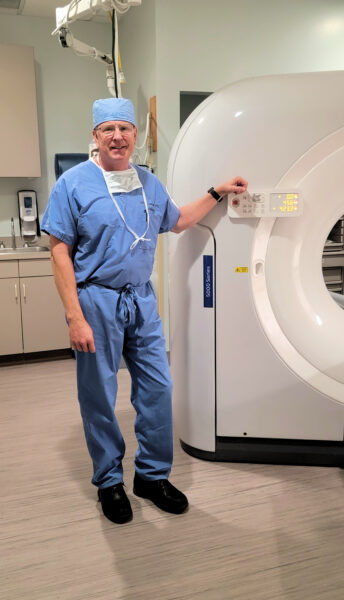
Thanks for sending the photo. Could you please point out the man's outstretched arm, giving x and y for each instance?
(192, 213)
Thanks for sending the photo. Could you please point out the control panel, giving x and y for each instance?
(265, 204)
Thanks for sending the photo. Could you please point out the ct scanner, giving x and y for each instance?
(257, 341)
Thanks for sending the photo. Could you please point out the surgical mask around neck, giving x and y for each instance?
(126, 182)
(122, 181)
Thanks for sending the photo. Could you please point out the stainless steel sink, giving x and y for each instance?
(21, 250)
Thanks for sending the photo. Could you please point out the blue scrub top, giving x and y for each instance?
(82, 214)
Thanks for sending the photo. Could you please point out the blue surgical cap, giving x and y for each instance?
(113, 109)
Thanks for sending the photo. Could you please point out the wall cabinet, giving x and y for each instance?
(18, 113)
(32, 316)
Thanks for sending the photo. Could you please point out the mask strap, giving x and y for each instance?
(138, 238)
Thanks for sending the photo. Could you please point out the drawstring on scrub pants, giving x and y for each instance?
(128, 307)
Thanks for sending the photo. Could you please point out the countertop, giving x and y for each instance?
(24, 254)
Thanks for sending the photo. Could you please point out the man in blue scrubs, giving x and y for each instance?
(103, 218)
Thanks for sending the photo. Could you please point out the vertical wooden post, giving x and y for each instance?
(153, 125)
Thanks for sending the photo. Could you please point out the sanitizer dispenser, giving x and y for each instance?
(28, 215)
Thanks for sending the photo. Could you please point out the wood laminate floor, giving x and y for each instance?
(253, 532)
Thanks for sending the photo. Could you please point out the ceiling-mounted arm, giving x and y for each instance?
(83, 9)
(87, 9)
(67, 40)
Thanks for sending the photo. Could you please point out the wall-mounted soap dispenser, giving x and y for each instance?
(28, 215)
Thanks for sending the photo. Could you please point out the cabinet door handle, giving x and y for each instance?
(16, 292)
(24, 292)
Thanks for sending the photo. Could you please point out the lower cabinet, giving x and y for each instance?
(43, 319)
(32, 316)
(11, 341)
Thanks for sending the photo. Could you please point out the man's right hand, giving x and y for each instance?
(81, 336)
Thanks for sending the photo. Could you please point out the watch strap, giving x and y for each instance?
(215, 195)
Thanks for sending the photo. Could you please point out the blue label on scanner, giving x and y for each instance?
(208, 292)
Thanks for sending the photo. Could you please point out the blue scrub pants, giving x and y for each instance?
(125, 321)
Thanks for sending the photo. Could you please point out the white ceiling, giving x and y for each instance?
(46, 8)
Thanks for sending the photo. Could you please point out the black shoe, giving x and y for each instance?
(162, 493)
(115, 503)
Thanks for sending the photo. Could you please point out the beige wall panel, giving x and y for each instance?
(19, 150)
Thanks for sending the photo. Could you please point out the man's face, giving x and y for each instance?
(116, 142)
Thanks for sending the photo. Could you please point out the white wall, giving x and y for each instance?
(67, 85)
(202, 45)
(137, 41)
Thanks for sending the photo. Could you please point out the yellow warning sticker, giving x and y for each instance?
(241, 269)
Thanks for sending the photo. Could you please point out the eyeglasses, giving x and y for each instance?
(111, 129)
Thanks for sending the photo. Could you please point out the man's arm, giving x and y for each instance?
(192, 213)
(81, 335)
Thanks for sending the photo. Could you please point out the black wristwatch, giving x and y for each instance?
(215, 195)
